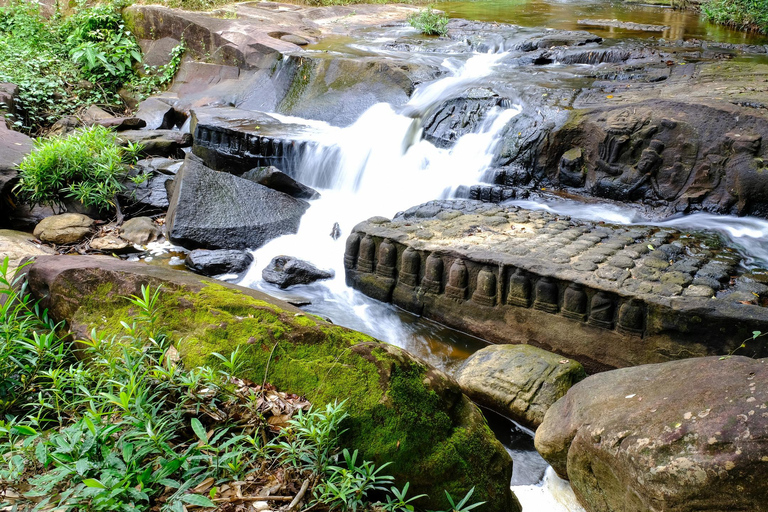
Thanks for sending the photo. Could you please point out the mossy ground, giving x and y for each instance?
(435, 439)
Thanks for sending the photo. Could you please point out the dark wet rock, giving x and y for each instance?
(14, 146)
(285, 271)
(336, 231)
(8, 95)
(626, 25)
(122, 123)
(162, 165)
(275, 179)
(140, 230)
(426, 422)
(221, 261)
(166, 143)
(520, 382)
(149, 197)
(510, 275)
(216, 210)
(66, 228)
(159, 115)
(556, 38)
(17, 246)
(685, 435)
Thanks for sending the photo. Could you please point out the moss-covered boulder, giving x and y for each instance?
(400, 409)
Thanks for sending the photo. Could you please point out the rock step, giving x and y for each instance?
(235, 140)
(606, 295)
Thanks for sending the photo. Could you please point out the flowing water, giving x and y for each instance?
(380, 165)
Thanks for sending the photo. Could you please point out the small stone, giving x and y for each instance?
(66, 228)
(286, 271)
(110, 243)
(140, 230)
(217, 262)
(292, 38)
(699, 291)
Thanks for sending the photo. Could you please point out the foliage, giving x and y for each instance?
(154, 78)
(124, 427)
(741, 14)
(429, 22)
(86, 166)
(63, 65)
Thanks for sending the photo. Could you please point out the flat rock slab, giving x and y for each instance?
(686, 436)
(607, 295)
(17, 245)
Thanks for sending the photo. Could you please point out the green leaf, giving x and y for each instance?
(92, 482)
(41, 453)
(197, 500)
(755, 334)
(24, 430)
(199, 430)
(651, 247)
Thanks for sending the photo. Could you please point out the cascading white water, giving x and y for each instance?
(379, 166)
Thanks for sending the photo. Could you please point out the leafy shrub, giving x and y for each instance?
(86, 166)
(741, 14)
(429, 22)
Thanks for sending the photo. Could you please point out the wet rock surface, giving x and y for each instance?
(214, 263)
(216, 210)
(685, 435)
(276, 179)
(285, 271)
(608, 296)
(520, 382)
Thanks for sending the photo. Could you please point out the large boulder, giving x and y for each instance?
(285, 271)
(518, 381)
(686, 436)
(216, 210)
(400, 409)
(67, 228)
(14, 146)
(276, 179)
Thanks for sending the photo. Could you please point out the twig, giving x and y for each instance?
(300, 495)
(255, 498)
(266, 370)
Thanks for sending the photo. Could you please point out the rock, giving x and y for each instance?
(14, 146)
(110, 243)
(400, 409)
(275, 179)
(168, 143)
(8, 94)
(67, 228)
(17, 245)
(221, 261)
(520, 382)
(216, 210)
(297, 40)
(686, 435)
(626, 25)
(285, 271)
(159, 115)
(149, 197)
(122, 123)
(94, 114)
(139, 230)
(587, 290)
(65, 125)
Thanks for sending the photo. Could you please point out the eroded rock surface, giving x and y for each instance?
(520, 382)
(400, 409)
(608, 296)
(685, 435)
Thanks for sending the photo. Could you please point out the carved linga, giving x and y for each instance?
(458, 281)
(597, 308)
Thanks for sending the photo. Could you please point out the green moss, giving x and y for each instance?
(301, 80)
(400, 411)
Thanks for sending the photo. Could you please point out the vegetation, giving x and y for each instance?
(429, 22)
(62, 65)
(125, 427)
(742, 14)
(87, 166)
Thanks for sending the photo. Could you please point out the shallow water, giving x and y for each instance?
(564, 15)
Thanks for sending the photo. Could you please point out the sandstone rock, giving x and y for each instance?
(686, 435)
(14, 146)
(216, 210)
(168, 143)
(139, 230)
(285, 271)
(158, 115)
(66, 228)
(94, 114)
(122, 123)
(65, 125)
(110, 243)
(17, 245)
(400, 409)
(221, 261)
(518, 381)
(275, 179)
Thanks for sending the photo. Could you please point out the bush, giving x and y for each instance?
(429, 22)
(742, 14)
(86, 166)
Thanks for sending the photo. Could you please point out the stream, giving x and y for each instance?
(380, 165)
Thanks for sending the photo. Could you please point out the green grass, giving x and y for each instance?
(429, 22)
(751, 15)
